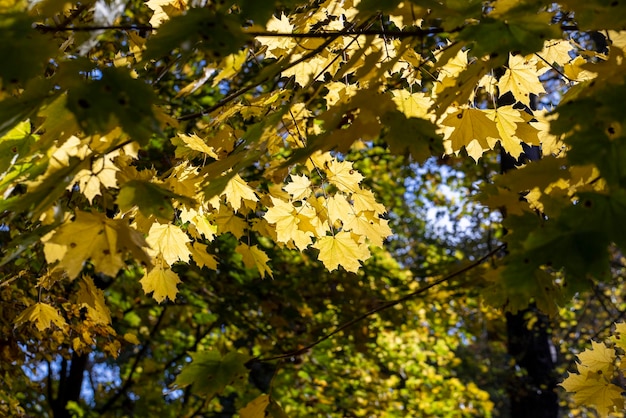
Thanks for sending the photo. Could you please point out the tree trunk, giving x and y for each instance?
(70, 384)
(532, 386)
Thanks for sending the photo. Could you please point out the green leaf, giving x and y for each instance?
(150, 199)
(14, 110)
(15, 145)
(114, 99)
(415, 135)
(218, 34)
(518, 31)
(24, 51)
(209, 373)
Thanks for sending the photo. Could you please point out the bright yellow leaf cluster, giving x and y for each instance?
(340, 216)
(599, 366)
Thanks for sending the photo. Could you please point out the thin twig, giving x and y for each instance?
(249, 87)
(382, 307)
(416, 32)
(561, 73)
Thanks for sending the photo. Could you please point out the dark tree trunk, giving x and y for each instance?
(532, 385)
(70, 383)
(532, 393)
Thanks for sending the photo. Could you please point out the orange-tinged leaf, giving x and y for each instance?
(162, 281)
(341, 249)
(255, 408)
(42, 315)
(170, 242)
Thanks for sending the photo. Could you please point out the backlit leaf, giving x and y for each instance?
(42, 316)
(341, 249)
(162, 281)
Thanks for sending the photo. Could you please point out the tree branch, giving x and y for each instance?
(411, 33)
(133, 369)
(382, 307)
(280, 68)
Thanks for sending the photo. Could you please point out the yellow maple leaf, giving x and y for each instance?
(201, 257)
(237, 190)
(256, 407)
(162, 281)
(42, 315)
(598, 358)
(414, 105)
(556, 51)
(227, 220)
(287, 221)
(102, 173)
(453, 67)
(283, 214)
(161, 6)
(472, 128)
(307, 70)
(199, 220)
(338, 91)
(299, 187)
(341, 249)
(92, 298)
(521, 78)
(195, 143)
(619, 338)
(574, 70)
(312, 217)
(168, 241)
(343, 175)
(369, 226)
(277, 45)
(254, 258)
(338, 208)
(364, 200)
(593, 389)
(507, 119)
(550, 144)
(94, 236)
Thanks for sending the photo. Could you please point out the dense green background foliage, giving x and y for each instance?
(297, 208)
